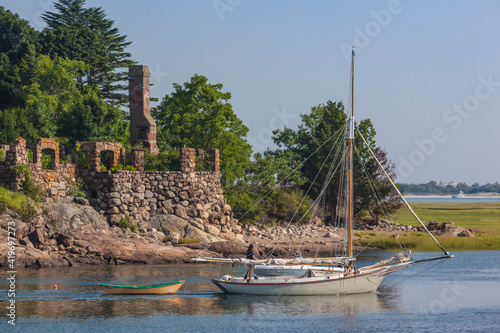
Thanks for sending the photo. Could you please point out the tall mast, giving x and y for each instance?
(350, 166)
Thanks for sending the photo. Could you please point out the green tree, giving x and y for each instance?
(321, 133)
(85, 34)
(197, 114)
(18, 49)
(54, 105)
(269, 190)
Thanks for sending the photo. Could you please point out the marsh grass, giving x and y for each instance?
(482, 218)
(421, 243)
(484, 215)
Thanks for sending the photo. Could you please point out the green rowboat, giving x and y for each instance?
(166, 288)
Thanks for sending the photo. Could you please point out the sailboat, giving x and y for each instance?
(344, 277)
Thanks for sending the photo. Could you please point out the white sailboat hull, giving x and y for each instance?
(277, 270)
(324, 284)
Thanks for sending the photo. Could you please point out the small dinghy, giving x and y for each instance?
(166, 288)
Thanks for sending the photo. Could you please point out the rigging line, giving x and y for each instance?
(268, 193)
(402, 197)
(378, 198)
(329, 178)
(409, 277)
(341, 131)
(371, 182)
(315, 204)
(317, 174)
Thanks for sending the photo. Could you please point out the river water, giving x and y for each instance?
(461, 294)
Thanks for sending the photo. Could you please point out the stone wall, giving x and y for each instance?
(135, 195)
(138, 196)
(55, 182)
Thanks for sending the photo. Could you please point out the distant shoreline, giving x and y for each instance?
(442, 196)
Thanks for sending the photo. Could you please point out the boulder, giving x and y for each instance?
(449, 229)
(81, 201)
(180, 211)
(196, 233)
(36, 237)
(466, 233)
(168, 223)
(64, 240)
(64, 216)
(433, 225)
(212, 230)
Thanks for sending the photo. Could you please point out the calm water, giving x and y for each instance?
(461, 294)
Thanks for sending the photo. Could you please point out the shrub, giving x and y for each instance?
(28, 186)
(2, 155)
(164, 161)
(76, 189)
(28, 211)
(116, 167)
(124, 223)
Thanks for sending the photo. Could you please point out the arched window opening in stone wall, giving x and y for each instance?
(82, 157)
(107, 159)
(48, 159)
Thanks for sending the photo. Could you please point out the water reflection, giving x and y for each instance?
(95, 304)
(79, 296)
(349, 305)
(455, 293)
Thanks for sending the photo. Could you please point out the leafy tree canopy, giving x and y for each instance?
(54, 105)
(197, 114)
(86, 34)
(18, 49)
(269, 191)
(321, 133)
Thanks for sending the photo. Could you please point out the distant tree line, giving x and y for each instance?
(433, 187)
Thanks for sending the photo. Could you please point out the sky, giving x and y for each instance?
(427, 73)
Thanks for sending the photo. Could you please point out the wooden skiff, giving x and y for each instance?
(166, 288)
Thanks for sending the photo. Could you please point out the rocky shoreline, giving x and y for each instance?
(72, 234)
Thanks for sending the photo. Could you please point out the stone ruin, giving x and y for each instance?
(134, 195)
(142, 125)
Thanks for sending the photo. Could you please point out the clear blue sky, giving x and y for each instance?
(427, 72)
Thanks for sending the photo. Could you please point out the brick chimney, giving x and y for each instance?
(142, 125)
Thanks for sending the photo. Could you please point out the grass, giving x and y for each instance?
(14, 200)
(482, 218)
(420, 242)
(17, 202)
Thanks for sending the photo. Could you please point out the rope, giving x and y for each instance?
(409, 277)
(341, 130)
(268, 193)
(402, 197)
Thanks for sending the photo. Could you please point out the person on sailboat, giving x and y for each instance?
(250, 254)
